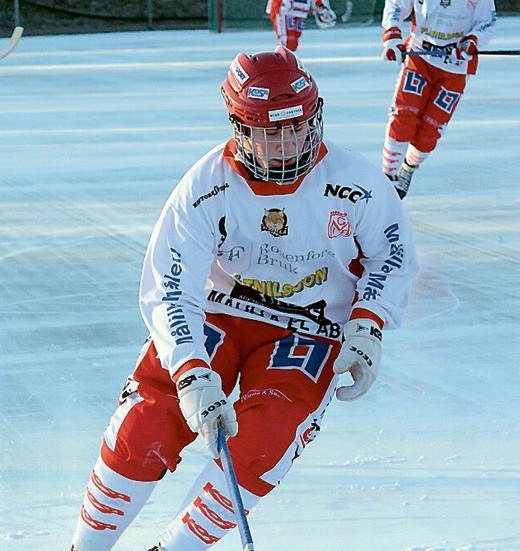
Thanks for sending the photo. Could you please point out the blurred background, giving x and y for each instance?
(40, 17)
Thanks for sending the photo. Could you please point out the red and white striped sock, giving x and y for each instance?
(110, 504)
(393, 155)
(206, 514)
(414, 157)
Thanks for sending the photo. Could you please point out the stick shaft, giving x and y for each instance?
(440, 53)
(236, 498)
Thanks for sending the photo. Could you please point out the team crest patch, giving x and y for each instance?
(338, 225)
(275, 222)
(445, 3)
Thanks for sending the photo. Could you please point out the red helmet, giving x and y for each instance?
(273, 90)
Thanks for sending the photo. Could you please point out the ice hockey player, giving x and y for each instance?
(429, 87)
(289, 16)
(277, 261)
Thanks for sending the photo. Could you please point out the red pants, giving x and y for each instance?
(285, 379)
(424, 102)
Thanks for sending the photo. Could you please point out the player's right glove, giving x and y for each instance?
(466, 47)
(361, 356)
(324, 14)
(204, 405)
(393, 46)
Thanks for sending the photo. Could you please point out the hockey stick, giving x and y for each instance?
(440, 53)
(13, 41)
(348, 11)
(236, 498)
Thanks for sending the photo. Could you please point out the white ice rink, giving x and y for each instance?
(95, 130)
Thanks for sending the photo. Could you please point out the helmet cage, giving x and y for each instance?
(281, 153)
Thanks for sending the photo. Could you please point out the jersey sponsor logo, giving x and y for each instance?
(353, 192)
(274, 256)
(284, 290)
(257, 305)
(177, 322)
(239, 72)
(300, 84)
(256, 92)
(284, 114)
(232, 254)
(394, 261)
(215, 191)
(275, 222)
(338, 226)
(440, 35)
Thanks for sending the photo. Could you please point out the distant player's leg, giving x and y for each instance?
(411, 97)
(444, 97)
(286, 383)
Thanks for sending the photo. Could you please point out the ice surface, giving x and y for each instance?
(95, 130)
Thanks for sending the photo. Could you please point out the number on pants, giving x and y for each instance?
(297, 352)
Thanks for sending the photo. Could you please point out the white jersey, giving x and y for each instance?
(297, 256)
(291, 8)
(441, 24)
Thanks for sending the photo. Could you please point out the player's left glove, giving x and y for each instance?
(361, 356)
(324, 14)
(204, 405)
(393, 45)
(466, 48)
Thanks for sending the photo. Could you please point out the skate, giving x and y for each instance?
(404, 179)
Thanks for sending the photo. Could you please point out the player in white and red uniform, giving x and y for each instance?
(429, 87)
(289, 16)
(276, 262)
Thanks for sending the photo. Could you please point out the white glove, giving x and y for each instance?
(204, 405)
(324, 14)
(466, 48)
(361, 356)
(393, 46)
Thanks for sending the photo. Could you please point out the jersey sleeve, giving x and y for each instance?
(385, 237)
(395, 12)
(175, 270)
(485, 23)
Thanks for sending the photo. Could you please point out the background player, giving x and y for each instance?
(428, 88)
(289, 16)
